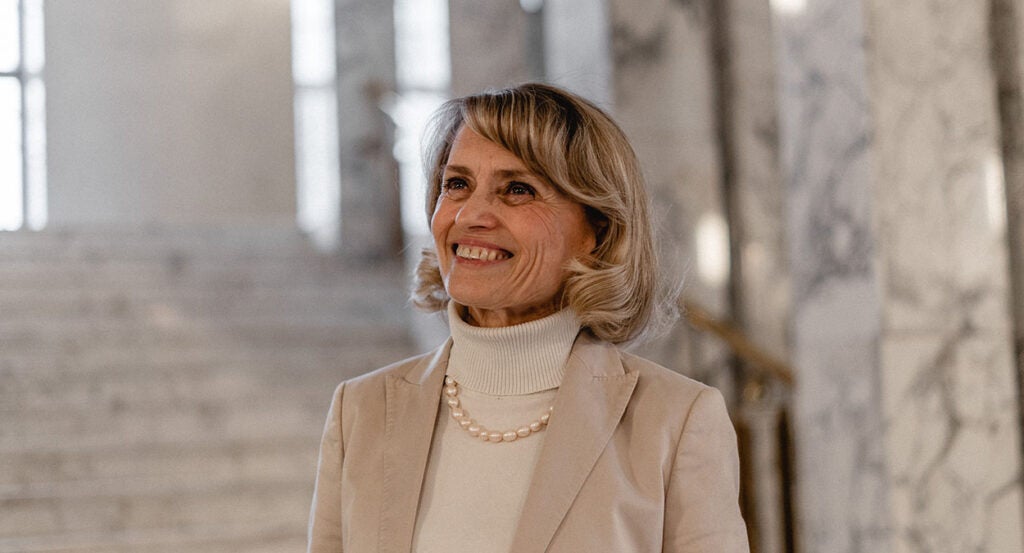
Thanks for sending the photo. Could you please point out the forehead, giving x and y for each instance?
(472, 149)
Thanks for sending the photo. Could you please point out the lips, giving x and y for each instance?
(480, 253)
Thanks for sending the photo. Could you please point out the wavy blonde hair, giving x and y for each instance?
(575, 146)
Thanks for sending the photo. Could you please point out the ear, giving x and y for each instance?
(598, 226)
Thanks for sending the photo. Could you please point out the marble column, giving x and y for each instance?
(906, 419)
(1008, 54)
(490, 46)
(370, 210)
(754, 195)
(664, 98)
(577, 48)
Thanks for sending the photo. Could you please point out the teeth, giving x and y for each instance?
(483, 254)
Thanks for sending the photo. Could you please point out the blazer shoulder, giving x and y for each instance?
(362, 397)
(661, 378)
(377, 377)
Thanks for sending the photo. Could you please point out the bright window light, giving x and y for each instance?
(318, 185)
(424, 76)
(11, 182)
(10, 36)
(789, 7)
(22, 116)
(713, 249)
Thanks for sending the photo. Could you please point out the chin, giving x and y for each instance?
(475, 302)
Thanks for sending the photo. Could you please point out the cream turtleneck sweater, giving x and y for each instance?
(473, 491)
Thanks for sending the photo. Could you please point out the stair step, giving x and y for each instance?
(255, 536)
(164, 389)
(135, 243)
(138, 504)
(276, 458)
(72, 337)
(213, 421)
(322, 303)
(109, 363)
(137, 388)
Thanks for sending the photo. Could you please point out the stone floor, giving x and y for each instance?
(163, 390)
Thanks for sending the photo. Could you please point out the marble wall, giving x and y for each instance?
(906, 411)
(1007, 22)
(759, 285)
(577, 48)
(370, 209)
(949, 383)
(169, 112)
(664, 98)
(491, 45)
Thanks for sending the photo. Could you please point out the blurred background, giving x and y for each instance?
(211, 209)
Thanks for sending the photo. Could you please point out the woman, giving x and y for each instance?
(529, 430)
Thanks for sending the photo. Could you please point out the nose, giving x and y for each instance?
(477, 212)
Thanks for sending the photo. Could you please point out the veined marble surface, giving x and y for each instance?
(824, 134)
(949, 387)
(664, 99)
(907, 423)
(756, 202)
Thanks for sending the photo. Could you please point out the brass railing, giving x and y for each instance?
(761, 416)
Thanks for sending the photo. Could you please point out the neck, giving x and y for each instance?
(511, 360)
(494, 318)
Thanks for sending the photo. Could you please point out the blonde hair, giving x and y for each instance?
(574, 145)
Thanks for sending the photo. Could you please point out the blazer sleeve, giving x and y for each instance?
(702, 512)
(324, 534)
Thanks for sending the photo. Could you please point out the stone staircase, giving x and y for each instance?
(164, 389)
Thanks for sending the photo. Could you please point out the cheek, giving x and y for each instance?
(440, 222)
(576, 238)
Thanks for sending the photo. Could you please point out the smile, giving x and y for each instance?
(481, 254)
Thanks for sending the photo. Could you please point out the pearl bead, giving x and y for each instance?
(476, 430)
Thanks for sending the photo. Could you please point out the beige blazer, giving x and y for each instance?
(636, 458)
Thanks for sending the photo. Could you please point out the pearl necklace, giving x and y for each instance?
(474, 428)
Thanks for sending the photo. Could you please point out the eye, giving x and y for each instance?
(520, 189)
(454, 183)
(455, 187)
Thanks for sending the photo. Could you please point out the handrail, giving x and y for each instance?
(759, 359)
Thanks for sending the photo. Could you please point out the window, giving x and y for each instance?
(316, 121)
(423, 69)
(22, 113)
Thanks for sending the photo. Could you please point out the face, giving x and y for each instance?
(503, 234)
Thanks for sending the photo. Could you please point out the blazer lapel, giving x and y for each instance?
(411, 404)
(588, 407)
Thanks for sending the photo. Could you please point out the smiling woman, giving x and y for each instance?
(504, 236)
(543, 259)
(574, 153)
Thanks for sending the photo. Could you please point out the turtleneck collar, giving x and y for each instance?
(511, 360)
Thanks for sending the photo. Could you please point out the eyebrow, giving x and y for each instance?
(504, 173)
